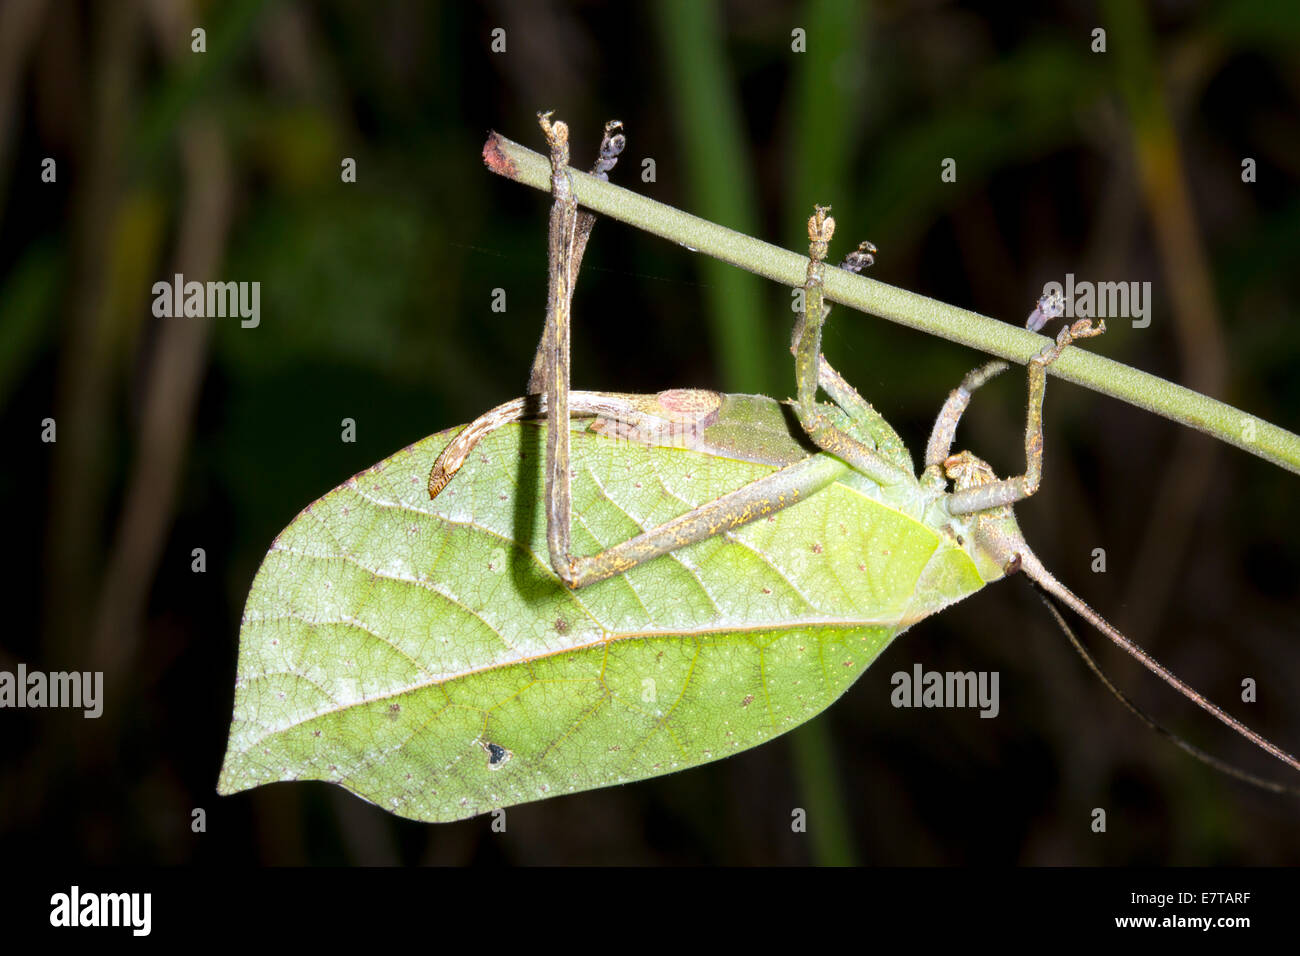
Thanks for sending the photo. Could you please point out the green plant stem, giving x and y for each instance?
(1011, 342)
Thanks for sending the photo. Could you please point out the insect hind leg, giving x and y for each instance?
(611, 145)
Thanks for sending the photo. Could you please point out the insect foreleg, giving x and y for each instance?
(995, 494)
(945, 425)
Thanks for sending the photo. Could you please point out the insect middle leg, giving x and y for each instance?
(811, 369)
(832, 382)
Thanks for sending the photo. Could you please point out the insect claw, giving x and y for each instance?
(611, 145)
(820, 225)
(821, 228)
(1051, 305)
(557, 133)
(861, 258)
(1081, 329)
(1084, 329)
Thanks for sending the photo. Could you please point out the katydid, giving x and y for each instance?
(708, 572)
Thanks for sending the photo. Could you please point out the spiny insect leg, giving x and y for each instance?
(556, 344)
(945, 424)
(611, 145)
(841, 392)
(808, 361)
(832, 383)
(1008, 491)
(760, 498)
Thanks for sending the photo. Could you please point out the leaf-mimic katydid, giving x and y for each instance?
(698, 573)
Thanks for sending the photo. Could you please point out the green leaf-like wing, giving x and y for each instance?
(423, 655)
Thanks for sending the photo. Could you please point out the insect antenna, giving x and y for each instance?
(1048, 585)
(1206, 758)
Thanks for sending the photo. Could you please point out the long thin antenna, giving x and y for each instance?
(1140, 714)
(1030, 564)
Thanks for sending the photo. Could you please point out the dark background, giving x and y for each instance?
(183, 433)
